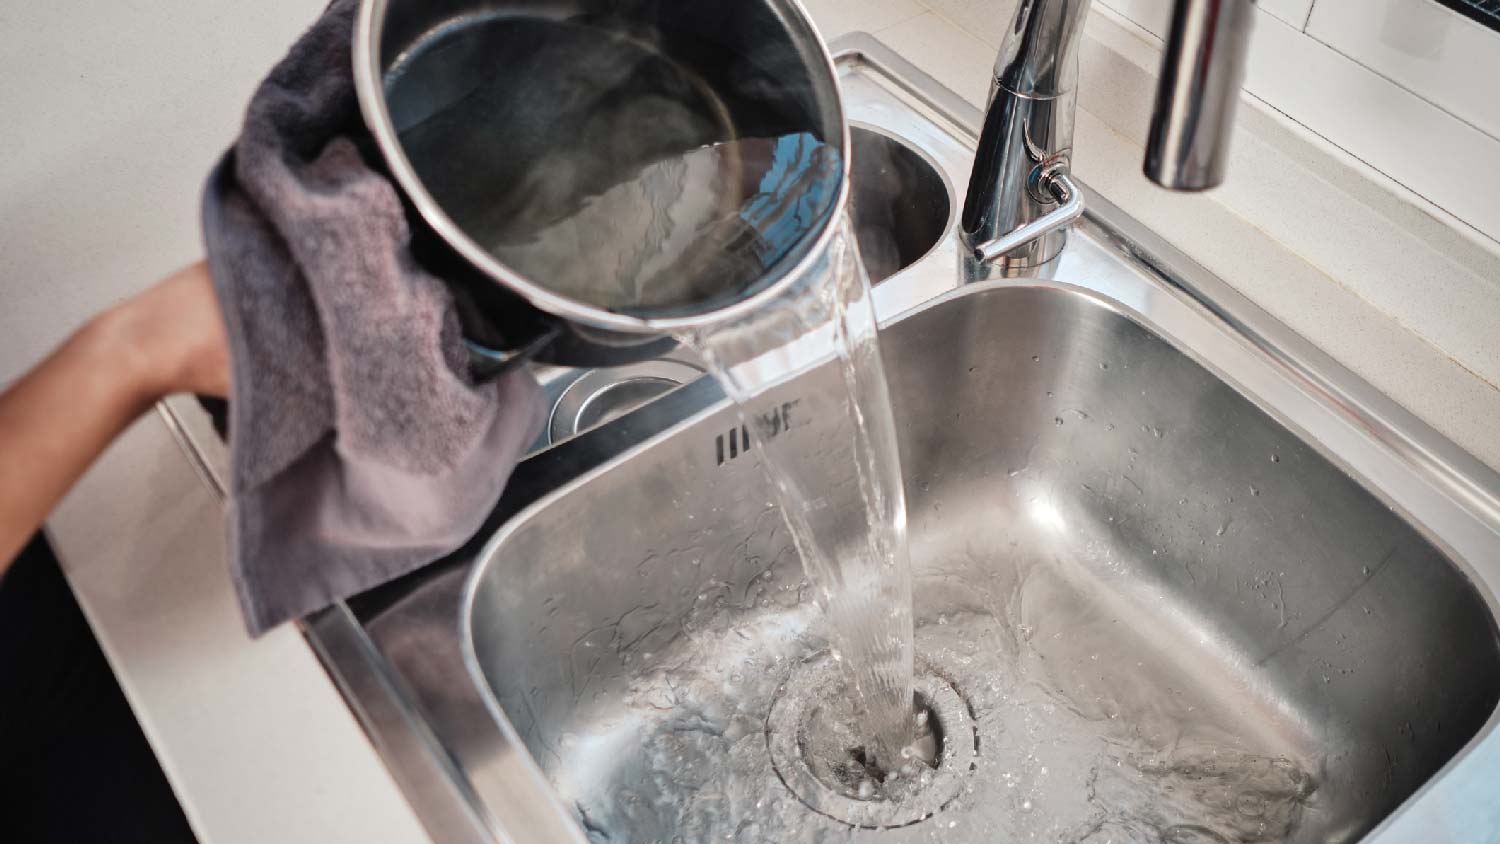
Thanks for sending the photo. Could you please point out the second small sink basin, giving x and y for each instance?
(901, 202)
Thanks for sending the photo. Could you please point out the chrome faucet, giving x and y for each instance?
(1021, 195)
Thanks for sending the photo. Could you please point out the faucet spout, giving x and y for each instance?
(1039, 57)
(1202, 71)
(1020, 200)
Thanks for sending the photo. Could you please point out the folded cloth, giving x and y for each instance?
(360, 446)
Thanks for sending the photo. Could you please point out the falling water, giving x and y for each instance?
(853, 547)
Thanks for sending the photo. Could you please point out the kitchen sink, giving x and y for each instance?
(1179, 576)
(1135, 579)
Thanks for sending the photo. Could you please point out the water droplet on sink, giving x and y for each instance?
(1057, 420)
(1275, 458)
(1036, 358)
(1254, 490)
(1049, 394)
(1364, 570)
(1103, 365)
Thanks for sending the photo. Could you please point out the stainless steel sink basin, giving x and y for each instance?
(1181, 578)
(1135, 579)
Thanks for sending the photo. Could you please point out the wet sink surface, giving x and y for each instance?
(1180, 577)
(1170, 618)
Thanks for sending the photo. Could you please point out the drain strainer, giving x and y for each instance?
(600, 395)
(833, 784)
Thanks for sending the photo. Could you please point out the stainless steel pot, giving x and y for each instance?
(760, 63)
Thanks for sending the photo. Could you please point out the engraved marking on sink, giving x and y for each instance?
(736, 441)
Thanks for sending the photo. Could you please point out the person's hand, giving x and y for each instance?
(172, 337)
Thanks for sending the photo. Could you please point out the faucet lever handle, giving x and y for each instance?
(1060, 185)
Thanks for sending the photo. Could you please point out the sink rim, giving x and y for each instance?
(1461, 497)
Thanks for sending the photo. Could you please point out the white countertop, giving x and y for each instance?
(116, 112)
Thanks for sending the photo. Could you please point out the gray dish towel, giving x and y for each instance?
(360, 447)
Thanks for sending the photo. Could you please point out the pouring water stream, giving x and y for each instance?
(856, 557)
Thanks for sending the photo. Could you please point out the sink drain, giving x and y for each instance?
(819, 759)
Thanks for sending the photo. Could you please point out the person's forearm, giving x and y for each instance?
(65, 412)
(58, 418)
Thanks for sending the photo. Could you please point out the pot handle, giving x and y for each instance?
(487, 364)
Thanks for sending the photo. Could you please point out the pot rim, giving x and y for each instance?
(369, 85)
